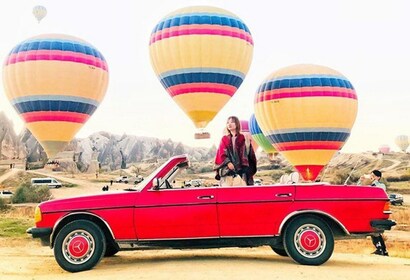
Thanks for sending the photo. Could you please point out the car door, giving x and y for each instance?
(253, 210)
(182, 213)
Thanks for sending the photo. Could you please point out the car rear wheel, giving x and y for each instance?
(308, 240)
(79, 246)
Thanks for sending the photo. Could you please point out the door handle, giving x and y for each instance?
(283, 195)
(206, 197)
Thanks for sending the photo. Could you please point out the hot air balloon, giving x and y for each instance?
(306, 112)
(39, 12)
(201, 56)
(55, 82)
(245, 131)
(259, 138)
(384, 149)
(402, 141)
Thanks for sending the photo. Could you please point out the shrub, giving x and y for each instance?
(276, 175)
(3, 205)
(206, 169)
(401, 178)
(26, 193)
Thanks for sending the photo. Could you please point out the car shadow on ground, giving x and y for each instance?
(138, 257)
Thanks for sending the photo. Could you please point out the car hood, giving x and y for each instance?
(91, 202)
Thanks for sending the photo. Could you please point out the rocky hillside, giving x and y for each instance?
(109, 150)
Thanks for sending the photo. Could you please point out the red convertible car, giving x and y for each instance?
(296, 220)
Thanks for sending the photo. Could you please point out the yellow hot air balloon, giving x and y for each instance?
(201, 56)
(55, 82)
(306, 112)
(402, 141)
(39, 12)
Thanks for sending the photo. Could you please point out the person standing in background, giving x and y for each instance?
(377, 238)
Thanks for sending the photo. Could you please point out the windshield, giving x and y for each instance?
(142, 184)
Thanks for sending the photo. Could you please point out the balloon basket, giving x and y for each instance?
(202, 135)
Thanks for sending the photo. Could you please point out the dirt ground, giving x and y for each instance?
(22, 259)
(27, 259)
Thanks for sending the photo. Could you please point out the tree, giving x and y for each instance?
(123, 160)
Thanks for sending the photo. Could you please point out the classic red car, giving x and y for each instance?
(297, 220)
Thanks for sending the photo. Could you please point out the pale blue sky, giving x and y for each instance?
(367, 41)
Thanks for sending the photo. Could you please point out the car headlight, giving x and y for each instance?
(37, 214)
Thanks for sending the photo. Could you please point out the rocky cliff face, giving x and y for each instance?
(108, 150)
(115, 151)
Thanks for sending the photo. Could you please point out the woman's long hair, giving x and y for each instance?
(237, 124)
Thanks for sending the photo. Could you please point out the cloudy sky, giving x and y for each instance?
(367, 41)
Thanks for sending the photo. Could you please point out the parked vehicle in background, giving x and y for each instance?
(6, 195)
(138, 179)
(257, 182)
(194, 183)
(50, 182)
(396, 199)
(299, 220)
(126, 179)
(122, 179)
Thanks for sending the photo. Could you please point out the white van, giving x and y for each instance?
(50, 182)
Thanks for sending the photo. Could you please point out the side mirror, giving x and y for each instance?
(156, 183)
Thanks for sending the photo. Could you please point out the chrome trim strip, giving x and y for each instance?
(167, 239)
(312, 211)
(387, 212)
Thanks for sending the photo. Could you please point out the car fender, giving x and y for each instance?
(315, 212)
(75, 216)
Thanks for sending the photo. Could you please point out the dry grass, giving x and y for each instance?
(396, 248)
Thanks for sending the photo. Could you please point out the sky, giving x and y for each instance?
(367, 41)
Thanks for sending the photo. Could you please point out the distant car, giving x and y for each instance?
(257, 182)
(396, 199)
(138, 179)
(122, 179)
(194, 183)
(6, 195)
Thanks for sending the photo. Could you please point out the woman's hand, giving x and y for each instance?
(231, 166)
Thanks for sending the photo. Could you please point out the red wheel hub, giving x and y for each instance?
(78, 246)
(309, 240)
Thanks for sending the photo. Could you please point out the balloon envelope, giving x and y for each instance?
(55, 83)
(384, 149)
(258, 136)
(306, 112)
(39, 12)
(201, 56)
(402, 141)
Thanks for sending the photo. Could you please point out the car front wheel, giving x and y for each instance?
(79, 246)
(308, 240)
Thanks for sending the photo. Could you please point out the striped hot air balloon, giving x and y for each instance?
(201, 56)
(259, 138)
(55, 82)
(306, 112)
